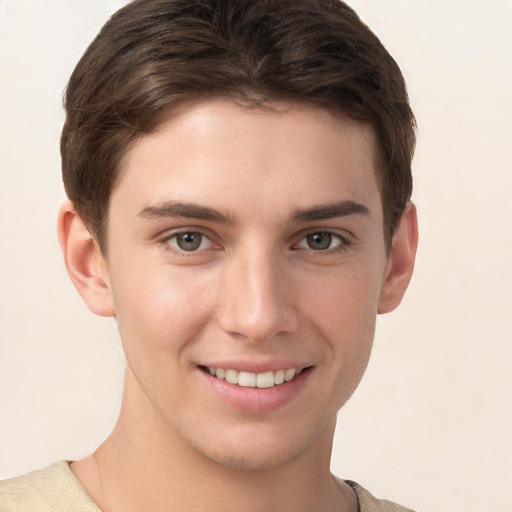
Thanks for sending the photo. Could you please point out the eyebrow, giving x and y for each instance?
(184, 209)
(195, 211)
(330, 211)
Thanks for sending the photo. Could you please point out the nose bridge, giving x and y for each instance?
(257, 303)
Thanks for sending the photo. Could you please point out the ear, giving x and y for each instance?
(84, 262)
(401, 261)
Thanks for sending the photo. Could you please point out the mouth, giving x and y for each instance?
(264, 380)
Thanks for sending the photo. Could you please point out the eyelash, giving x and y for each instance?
(342, 245)
(342, 242)
(166, 242)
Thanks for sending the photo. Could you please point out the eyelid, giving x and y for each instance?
(173, 233)
(344, 238)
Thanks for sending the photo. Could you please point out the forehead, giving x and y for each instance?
(232, 156)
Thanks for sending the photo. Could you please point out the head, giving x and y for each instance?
(154, 55)
(242, 167)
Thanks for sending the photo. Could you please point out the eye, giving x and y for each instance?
(189, 241)
(321, 241)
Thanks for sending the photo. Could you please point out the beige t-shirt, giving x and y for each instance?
(56, 489)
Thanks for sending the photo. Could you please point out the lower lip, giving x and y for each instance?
(257, 399)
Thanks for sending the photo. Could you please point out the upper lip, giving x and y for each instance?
(256, 366)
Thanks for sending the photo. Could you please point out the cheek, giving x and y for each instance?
(343, 312)
(346, 302)
(161, 307)
(160, 315)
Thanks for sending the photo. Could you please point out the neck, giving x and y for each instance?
(145, 465)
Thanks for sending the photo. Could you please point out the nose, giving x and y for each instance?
(257, 301)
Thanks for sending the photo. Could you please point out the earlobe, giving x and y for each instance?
(401, 261)
(84, 262)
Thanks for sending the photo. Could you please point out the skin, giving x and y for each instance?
(257, 292)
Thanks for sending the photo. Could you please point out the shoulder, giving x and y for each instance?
(53, 489)
(369, 503)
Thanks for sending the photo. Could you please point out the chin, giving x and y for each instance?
(254, 460)
(260, 450)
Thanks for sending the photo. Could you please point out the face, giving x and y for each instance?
(246, 262)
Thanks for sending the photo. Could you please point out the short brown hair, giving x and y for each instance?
(154, 54)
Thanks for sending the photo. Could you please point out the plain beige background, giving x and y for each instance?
(431, 424)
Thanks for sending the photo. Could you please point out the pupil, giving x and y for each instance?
(189, 241)
(319, 241)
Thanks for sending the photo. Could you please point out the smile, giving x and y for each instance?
(254, 380)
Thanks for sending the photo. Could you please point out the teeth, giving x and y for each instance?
(247, 379)
(289, 374)
(254, 380)
(279, 377)
(232, 376)
(265, 380)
